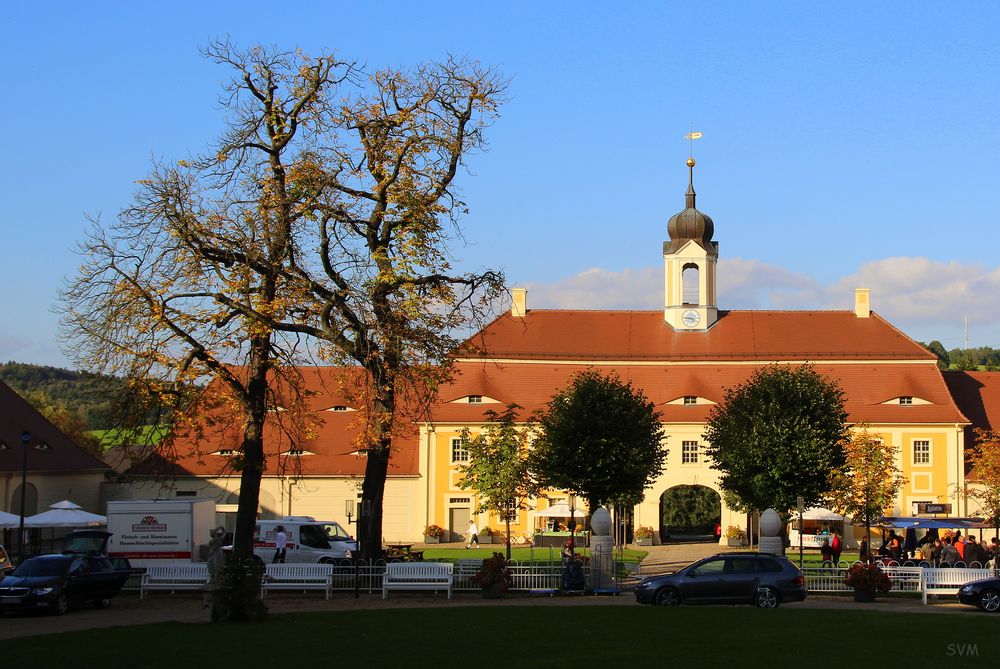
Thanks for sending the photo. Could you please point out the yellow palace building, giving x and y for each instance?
(682, 357)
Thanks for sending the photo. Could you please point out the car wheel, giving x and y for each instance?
(327, 561)
(766, 598)
(990, 601)
(62, 604)
(102, 602)
(667, 597)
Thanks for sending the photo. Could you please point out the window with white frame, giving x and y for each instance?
(690, 400)
(475, 399)
(689, 452)
(906, 400)
(921, 452)
(459, 450)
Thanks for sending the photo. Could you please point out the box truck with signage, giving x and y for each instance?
(150, 532)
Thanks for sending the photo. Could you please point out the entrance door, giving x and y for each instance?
(458, 524)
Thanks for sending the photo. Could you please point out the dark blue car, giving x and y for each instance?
(984, 593)
(55, 582)
(728, 578)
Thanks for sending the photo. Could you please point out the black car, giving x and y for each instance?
(56, 582)
(728, 578)
(984, 593)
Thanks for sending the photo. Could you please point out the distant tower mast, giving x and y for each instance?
(966, 319)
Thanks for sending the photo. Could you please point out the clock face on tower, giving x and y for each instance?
(690, 318)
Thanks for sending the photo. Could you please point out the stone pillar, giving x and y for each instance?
(601, 551)
(770, 525)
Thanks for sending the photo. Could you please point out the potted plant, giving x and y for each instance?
(866, 579)
(433, 534)
(486, 535)
(735, 536)
(643, 536)
(494, 576)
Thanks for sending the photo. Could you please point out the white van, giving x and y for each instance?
(308, 540)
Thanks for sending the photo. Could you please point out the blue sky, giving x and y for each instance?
(845, 144)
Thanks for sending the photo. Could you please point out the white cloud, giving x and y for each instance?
(923, 297)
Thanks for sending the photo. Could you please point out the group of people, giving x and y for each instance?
(832, 548)
(935, 550)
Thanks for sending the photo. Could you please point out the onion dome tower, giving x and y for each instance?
(689, 265)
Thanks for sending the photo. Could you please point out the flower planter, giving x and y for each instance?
(493, 591)
(734, 542)
(431, 540)
(864, 595)
(647, 541)
(485, 539)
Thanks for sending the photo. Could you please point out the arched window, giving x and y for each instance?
(690, 284)
(30, 500)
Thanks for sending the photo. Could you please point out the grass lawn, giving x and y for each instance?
(518, 554)
(529, 636)
(150, 434)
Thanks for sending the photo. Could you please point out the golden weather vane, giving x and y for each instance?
(690, 137)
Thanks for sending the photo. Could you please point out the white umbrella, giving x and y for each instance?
(65, 514)
(560, 510)
(9, 520)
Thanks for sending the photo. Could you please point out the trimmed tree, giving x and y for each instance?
(600, 439)
(869, 481)
(497, 470)
(777, 437)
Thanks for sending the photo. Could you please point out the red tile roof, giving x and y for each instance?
(738, 335)
(867, 386)
(62, 456)
(978, 396)
(329, 437)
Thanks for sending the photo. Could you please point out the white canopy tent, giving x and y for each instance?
(560, 510)
(65, 514)
(9, 520)
(819, 513)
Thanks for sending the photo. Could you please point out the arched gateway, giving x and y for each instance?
(689, 513)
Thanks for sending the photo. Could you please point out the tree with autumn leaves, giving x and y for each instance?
(318, 226)
(865, 487)
(984, 475)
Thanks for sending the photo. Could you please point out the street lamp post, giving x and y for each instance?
(41, 446)
(572, 525)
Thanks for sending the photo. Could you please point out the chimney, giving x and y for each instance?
(519, 306)
(862, 305)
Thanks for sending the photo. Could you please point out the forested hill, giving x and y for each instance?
(88, 397)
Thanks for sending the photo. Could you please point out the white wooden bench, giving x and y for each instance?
(945, 581)
(297, 577)
(188, 576)
(417, 576)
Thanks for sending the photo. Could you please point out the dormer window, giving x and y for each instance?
(475, 399)
(298, 452)
(225, 452)
(906, 400)
(339, 407)
(690, 400)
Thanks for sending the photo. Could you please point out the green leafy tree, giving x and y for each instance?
(691, 509)
(869, 481)
(938, 349)
(778, 436)
(497, 470)
(600, 439)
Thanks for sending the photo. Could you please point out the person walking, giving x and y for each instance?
(836, 548)
(473, 535)
(280, 541)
